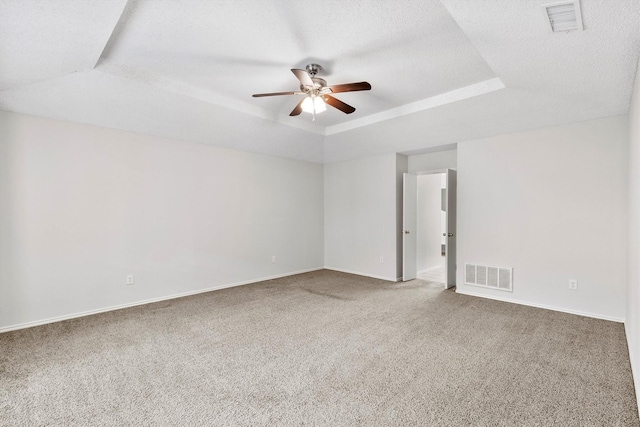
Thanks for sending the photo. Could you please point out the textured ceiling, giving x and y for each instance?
(441, 71)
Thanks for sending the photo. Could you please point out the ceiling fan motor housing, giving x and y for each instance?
(319, 87)
(318, 83)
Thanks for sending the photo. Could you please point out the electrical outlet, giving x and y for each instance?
(273, 258)
(573, 284)
(381, 260)
(130, 279)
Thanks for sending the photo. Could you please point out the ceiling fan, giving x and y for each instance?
(317, 93)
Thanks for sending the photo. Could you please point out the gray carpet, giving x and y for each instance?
(320, 349)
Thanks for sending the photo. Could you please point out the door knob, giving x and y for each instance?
(447, 234)
(406, 232)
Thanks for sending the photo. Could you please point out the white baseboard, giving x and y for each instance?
(547, 307)
(359, 273)
(635, 369)
(148, 301)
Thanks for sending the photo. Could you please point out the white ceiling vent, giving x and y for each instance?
(563, 16)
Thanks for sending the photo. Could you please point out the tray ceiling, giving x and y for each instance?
(441, 71)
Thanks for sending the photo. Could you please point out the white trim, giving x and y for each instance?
(455, 95)
(635, 370)
(148, 301)
(358, 273)
(547, 307)
(148, 78)
(124, 71)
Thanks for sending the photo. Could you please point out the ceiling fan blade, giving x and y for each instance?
(336, 103)
(303, 76)
(258, 95)
(350, 87)
(296, 111)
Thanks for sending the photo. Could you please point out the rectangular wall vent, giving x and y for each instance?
(489, 277)
(563, 16)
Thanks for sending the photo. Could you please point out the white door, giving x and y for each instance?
(450, 233)
(409, 223)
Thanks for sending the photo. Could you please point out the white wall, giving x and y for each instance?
(429, 224)
(82, 206)
(360, 217)
(632, 324)
(433, 161)
(551, 203)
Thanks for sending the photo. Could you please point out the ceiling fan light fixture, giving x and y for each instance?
(307, 105)
(319, 105)
(313, 104)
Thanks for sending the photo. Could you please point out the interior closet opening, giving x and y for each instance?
(431, 225)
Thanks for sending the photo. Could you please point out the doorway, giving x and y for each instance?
(429, 226)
